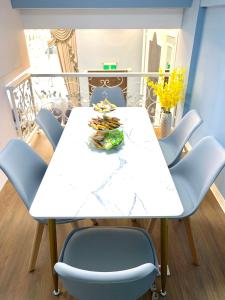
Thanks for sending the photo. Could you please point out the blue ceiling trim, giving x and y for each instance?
(32, 4)
(212, 3)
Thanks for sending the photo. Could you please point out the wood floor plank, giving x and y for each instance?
(205, 282)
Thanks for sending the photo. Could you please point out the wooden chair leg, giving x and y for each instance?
(94, 222)
(134, 222)
(74, 225)
(151, 225)
(36, 246)
(188, 229)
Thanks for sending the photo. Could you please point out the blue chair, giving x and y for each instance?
(58, 114)
(51, 127)
(108, 263)
(67, 114)
(173, 144)
(193, 176)
(113, 94)
(196, 172)
(25, 169)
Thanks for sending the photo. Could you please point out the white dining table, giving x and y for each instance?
(132, 181)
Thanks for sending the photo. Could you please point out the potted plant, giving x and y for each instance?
(170, 92)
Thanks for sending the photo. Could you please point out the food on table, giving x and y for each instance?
(104, 106)
(104, 123)
(107, 140)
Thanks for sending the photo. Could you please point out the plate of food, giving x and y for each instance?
(106, 140)
(105, 123)
(104, 106)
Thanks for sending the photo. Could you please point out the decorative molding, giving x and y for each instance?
(214, 189)
(85, 4)
(212, 3)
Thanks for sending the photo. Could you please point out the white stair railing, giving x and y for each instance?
(30, 92)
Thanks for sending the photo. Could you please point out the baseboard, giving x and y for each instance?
(214, 189)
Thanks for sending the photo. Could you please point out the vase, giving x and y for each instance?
(165, 122)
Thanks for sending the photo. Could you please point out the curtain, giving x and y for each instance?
(65, 41)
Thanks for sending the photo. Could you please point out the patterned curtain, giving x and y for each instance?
(65, 41)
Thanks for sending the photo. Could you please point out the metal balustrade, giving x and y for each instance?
(61, 92)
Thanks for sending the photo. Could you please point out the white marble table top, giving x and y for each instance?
(133, 181)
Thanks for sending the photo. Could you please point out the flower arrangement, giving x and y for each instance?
(171, 92)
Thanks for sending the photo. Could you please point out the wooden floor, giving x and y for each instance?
(206, 282)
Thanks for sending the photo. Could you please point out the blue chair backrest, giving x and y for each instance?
(24, 168)
(184, 129)
(119, 285)
(114, 95)
(51, 127)
(173, 144)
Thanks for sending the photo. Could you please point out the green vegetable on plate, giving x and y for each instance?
(113, 139)
(107, 140)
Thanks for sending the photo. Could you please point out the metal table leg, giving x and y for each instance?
(53, 253)
(164, 254)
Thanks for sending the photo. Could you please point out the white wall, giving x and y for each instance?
(97, 46)
(102, 18)
(208, 95)
(13, 60)
(123, 46)
(12, 47)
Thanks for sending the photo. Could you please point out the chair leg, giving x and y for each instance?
(188, 229)
(134, 222)
(74, 225)
(94, 222)
(151, 225)
(36, 246)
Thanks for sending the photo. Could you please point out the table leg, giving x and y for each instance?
(164, 254)
(53, 253)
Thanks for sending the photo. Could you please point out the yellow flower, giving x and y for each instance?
(171, 92)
